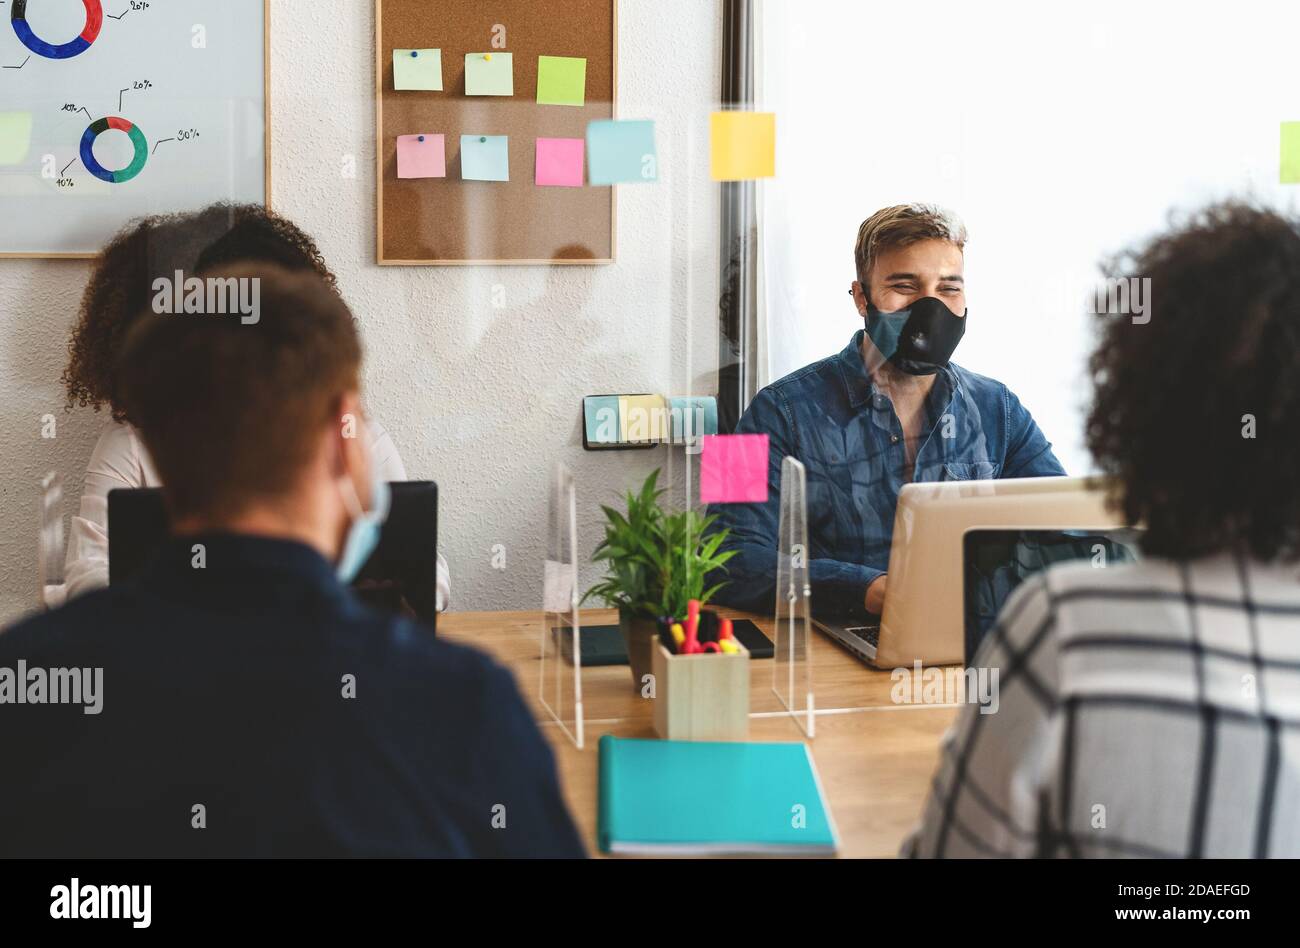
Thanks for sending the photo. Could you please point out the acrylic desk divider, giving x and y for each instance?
(792, 674)
(560, 690)
(49, 543)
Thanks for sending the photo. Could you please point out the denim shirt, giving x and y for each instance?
(830, 416)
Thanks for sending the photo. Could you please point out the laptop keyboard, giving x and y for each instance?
(868, 633)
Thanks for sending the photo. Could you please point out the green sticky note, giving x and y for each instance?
(1290, 153)
(15, 137)
(418, 69)
(489, 74)
(561, 80)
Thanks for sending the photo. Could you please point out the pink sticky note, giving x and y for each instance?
(559, 162)
(733, 469)
(421, 156)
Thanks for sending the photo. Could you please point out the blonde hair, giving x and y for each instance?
(901, 225)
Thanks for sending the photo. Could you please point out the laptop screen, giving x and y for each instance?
(995, 562)
(401, 572)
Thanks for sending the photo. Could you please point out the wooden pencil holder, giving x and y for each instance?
(701, 697)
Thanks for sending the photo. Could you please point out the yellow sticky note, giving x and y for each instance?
(642, 418)
(1290, 153)
(743, 145)
(15, 137)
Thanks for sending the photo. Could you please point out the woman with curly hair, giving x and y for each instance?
(122, 287)
(1152, 708)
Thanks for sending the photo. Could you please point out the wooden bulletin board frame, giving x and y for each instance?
(426, 218)
(266, 151)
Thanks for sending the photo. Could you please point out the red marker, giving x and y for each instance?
(692, 644)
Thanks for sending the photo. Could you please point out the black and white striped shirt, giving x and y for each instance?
(1145, 709)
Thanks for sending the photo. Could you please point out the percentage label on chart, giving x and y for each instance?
(185, 134)
(142, 84)
(139, 4)
(66, 182)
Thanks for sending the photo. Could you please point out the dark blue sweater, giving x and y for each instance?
(224, 689)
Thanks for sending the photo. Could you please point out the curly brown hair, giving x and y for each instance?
(1196, 413)
(121, 286)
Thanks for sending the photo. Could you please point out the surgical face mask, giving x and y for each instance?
(363, 531)
(918, 340)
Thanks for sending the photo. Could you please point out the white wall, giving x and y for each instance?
(1060, 132)
(483, 400)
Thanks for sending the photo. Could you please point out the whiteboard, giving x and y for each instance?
(115, 109)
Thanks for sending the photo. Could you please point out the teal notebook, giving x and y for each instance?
(683, 797)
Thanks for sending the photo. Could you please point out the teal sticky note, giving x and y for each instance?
(561, 80)
(485, 157)
(693, 416)
(417, 69)
(600, 419)
(621, 152)
(489, 74)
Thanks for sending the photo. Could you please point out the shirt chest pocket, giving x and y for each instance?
(969, 470)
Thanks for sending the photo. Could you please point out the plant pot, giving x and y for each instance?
(639, 636)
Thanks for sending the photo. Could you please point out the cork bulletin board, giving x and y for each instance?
(449, 221)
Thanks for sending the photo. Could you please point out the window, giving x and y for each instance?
(1059, 132)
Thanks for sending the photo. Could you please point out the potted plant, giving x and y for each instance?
(657, 562)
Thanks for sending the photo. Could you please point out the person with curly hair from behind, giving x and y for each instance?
(121, 287)
(1152, 709)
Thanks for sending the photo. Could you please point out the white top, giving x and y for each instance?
(1145, 709)
(120, 460)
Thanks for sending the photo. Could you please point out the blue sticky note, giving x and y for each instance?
(621, 152)
(485, 157)
(600, 418)
(693, 417)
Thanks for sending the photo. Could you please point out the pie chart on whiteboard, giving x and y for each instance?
(138, 143)
(113, 110)
(43, 46)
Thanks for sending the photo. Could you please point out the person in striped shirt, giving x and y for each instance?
(1152, 709)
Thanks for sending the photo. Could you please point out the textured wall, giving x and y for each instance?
(480, 397)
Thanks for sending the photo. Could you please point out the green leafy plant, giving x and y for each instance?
(656, 561)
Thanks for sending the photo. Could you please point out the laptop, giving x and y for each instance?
(996, 562)
(924, 618)
(861, 637)
(403, 570)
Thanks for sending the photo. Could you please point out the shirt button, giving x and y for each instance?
(893, 439)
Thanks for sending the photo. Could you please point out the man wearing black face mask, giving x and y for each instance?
(887, 410)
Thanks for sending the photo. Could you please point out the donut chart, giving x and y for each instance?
(88, 150)
(94, 21)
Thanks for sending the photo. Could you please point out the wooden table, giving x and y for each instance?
(875, 757)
